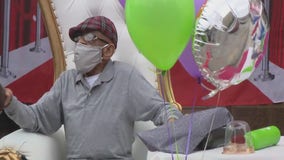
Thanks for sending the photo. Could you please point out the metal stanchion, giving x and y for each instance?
(4, 72)
(266, 75)
(37, 48)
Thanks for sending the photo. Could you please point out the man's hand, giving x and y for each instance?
(2, 97)
(9, 96)
(5, 97)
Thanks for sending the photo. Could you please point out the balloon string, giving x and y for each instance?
(211, 126)
(190, 122)
(170, 141)
(168, 126)
(176, 145)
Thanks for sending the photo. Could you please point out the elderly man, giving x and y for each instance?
(98, 102)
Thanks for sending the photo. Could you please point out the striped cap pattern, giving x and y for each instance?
(97, 23)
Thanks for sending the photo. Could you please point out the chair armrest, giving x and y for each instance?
(36, 146)
(139, 149)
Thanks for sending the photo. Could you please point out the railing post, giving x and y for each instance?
(37, 48)
(266, 75)
(4, 72)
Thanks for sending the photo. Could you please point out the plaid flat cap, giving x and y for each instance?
(97, 23)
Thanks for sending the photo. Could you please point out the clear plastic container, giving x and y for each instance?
(238, 139)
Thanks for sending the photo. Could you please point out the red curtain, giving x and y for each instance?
(276, 43)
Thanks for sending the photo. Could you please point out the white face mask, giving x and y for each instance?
(87, 57)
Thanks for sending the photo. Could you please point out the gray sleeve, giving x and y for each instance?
(148, 103)
(45, 116)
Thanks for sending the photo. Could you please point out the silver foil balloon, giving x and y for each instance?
(229, 41)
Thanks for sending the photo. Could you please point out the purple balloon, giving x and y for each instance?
(186, 58)
(122, 2)
(188, 62)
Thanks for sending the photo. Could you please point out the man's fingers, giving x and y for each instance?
(2, 97)
(8, 96)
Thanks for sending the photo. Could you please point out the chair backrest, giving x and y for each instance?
(60, 15)
(68, 13)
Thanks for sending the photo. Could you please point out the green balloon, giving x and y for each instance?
(160, 29)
